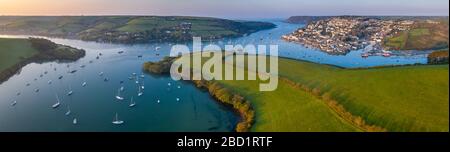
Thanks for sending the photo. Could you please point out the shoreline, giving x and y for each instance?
(237, 103)
(247, 117)
(41, 57)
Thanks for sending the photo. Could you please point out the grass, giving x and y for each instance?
(413, 98)
(421, 36)
(400, 99)
(12, 51)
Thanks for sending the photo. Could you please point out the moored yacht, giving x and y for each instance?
(116, 121)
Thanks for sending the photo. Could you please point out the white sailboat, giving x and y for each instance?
(68, 111)
(56, 105)
(118, 97)
(140, 93)
(116, 121)
(132, 103)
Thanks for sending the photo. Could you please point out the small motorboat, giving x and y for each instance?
(106, 79)
(69, 93)
(74, 121)
(60, 77)
(120, 52)
(13, 103)
(83, 84)
(101, 74)
(49, 81)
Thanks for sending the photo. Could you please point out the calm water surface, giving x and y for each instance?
(94, 106)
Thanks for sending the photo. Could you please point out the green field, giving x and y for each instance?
(410, 98)
(413, 98)
(421, 36)
(12, 51)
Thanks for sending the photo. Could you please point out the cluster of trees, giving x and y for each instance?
(161, 67)
(49, 50)
(235, 100)
(438, 57)
(41, 44)
(358, 121)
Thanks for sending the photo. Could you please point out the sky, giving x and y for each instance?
(225, 8)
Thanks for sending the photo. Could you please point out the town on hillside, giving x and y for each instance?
(340, 35)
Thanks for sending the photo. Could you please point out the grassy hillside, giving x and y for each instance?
(413, 98)
(422, 36)
(13, 51)
(318, 97)
(16, 53)
(129, 29)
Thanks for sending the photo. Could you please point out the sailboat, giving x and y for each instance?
(56, 105)
(70, 91)
(132, 103)
(68, 111)
(116, 121)
(140, 93)
(118, 97)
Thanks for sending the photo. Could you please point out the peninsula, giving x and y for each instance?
(129, 29)
(16, 53)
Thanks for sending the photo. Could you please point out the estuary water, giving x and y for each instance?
(165, 105)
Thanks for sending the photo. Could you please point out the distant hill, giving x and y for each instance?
(305, 19)
(128, 29)
(308, 19)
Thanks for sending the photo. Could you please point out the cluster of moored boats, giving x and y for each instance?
(138, 79)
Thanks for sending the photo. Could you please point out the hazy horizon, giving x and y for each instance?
(224, 9)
